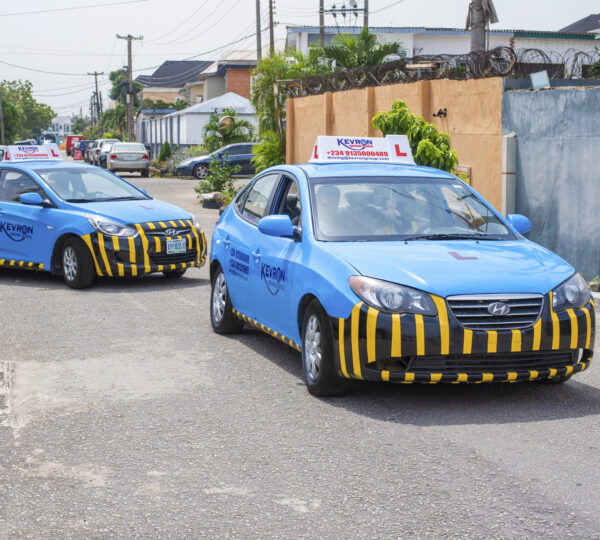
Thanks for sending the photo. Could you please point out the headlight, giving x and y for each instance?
(195, 222)
(573, 293)
(110, 228)
(185, 162)
(390, 297)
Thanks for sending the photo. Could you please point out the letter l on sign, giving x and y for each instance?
(398, 153)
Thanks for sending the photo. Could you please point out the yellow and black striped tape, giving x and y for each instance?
(25, 265)
(267, 330)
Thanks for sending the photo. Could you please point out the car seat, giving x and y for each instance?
(291, 208)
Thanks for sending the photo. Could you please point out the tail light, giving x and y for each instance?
(145, 156)
(113, 156)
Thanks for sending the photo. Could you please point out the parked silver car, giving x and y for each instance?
(95, 152)
(129, 157)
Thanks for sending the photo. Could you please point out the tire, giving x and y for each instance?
(318, 361)
(76, 264)
(145, 173)
(172, 274)
(200, 171)
(221, 311)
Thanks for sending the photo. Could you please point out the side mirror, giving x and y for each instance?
(277, 226)
(521, 223)
(34, 199)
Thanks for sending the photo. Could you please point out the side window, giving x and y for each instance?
(258, 197)
(15, 183)
(289, 204)
(234, 150)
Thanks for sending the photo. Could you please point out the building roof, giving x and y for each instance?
(582, 26)
(229, 100)
(232, 59)
(447, 31)
(174, 73)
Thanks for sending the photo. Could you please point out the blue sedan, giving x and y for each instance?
(233, 154)
(81, 221)
(388, 271)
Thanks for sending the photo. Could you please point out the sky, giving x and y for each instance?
(63, 46)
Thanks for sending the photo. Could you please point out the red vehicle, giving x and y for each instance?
(71, 140)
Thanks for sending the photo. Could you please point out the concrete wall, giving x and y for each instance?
(474, 121)
(558, 169)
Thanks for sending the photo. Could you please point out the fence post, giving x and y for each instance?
(290, 133)
(509, 173)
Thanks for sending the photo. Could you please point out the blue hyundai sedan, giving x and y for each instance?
(378, 269)
(81, 221)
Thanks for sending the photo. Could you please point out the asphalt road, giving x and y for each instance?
(122, 415)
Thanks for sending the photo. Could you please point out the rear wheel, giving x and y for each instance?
(200, 171)
(77, 264)
(221, 311)
(318, 362)
(145, 173)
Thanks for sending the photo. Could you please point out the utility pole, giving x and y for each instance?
(258, 40)
(477, 20)
(322, 23)
(98, 111)
(366, 19)
(130, 93)
(271, 31)
(1, 119)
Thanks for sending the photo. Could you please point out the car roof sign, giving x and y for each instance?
(390, 149)
(42, 152)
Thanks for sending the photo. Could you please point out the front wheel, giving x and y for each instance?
(200, 171)
(318, 363)
(221, 311)
(77, 264)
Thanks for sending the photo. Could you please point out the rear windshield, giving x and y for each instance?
(88, 184)
(129, 147)
(399, 208)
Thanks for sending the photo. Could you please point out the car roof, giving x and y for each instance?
(43, 164)
(357, 169)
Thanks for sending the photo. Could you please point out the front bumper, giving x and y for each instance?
(185, 170)
(410, 348)
(146, 253)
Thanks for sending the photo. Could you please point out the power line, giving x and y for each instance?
(388, 6)
(179, 25)
(42, 71)
(37, 11)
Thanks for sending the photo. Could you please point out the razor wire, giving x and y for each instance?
(498, 62)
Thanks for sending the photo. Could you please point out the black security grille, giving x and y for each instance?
(473, 313)
(175, 258)
(493, 363)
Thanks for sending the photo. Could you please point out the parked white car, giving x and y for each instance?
(128, 157)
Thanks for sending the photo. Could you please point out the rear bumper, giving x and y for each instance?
(129, 166)
(146, 252)
(410, 348)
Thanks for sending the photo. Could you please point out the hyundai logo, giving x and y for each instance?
(171, 232)
(498, 309)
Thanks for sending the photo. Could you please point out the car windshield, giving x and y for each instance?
(106, 147)
(82, 185)
(375, 209)
(129, 147)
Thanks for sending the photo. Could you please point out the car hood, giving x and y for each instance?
(134, 211)
(458, 267)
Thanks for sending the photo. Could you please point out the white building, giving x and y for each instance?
(432, 41)
(184, 128)
(61, 126)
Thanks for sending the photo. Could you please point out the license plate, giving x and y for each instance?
(176, 246)
(130, 157)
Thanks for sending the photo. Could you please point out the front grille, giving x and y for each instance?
(173, 232)
(472, 310)
(486, 363)
(176, 258)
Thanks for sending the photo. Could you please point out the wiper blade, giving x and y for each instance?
(80, 200)
(124, 199)
(457, 236)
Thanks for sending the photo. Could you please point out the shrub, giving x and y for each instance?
(165, 151)
(429, 147)
(218, 179)
(267, 152)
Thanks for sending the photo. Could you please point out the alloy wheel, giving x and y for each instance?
(312, 347)
(70, 263)
(219, 298)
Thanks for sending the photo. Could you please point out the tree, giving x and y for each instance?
(160, 104)
(115, 120)
(118, 91)
(349, 50)
(429, 147)
(29, 119)
(80, 124)
(217, 136)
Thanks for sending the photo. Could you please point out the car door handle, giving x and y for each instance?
(256, 254)
(226, 243)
